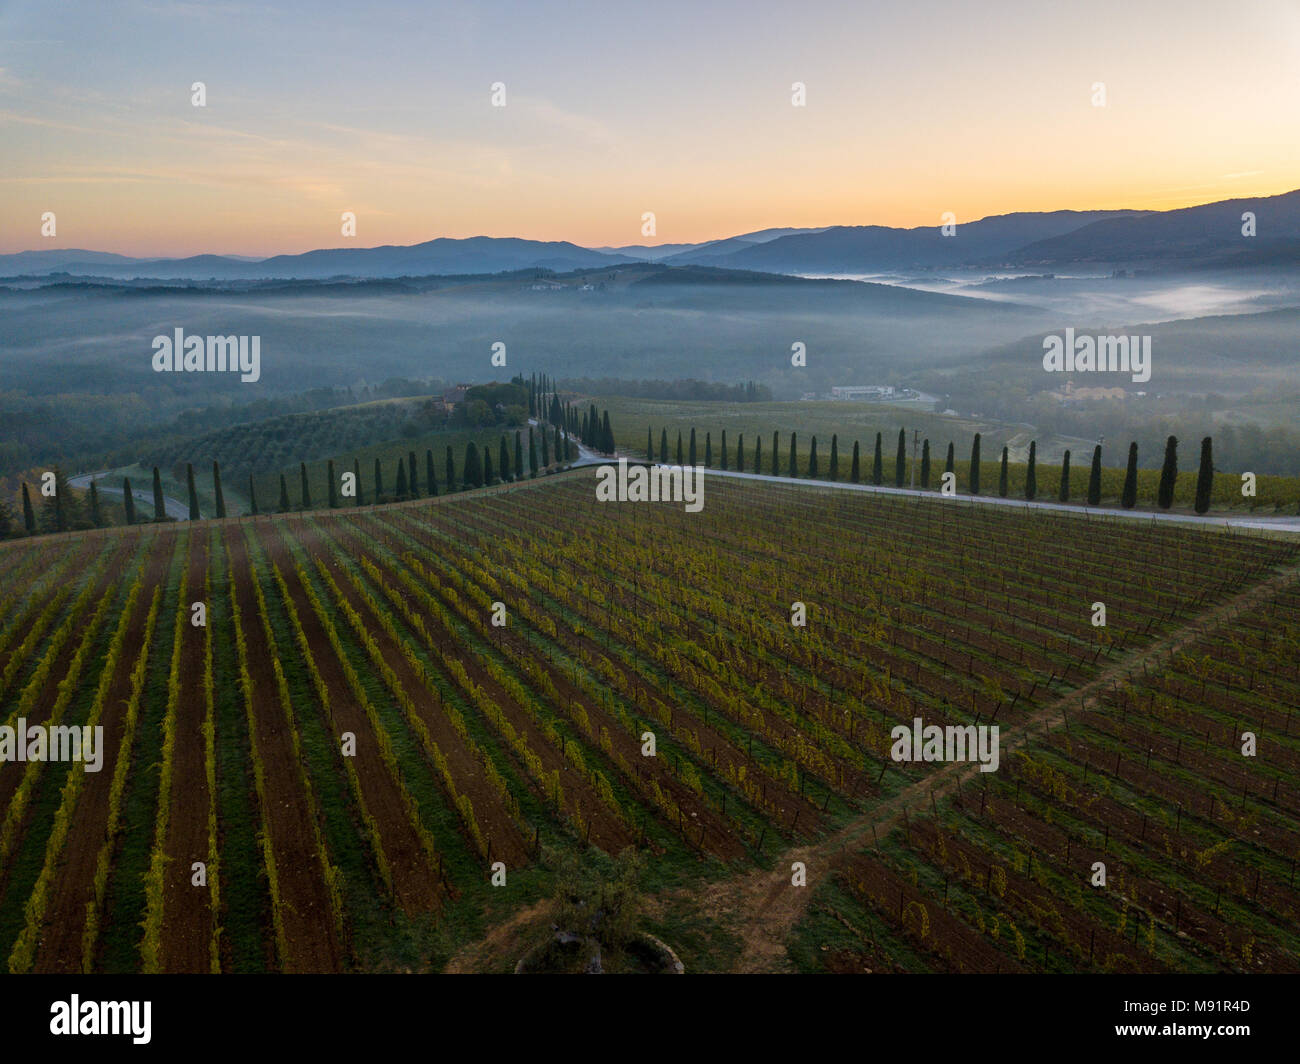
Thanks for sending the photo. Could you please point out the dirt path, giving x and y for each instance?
(500, 944)
(764, 907)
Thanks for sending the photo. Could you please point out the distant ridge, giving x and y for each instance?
(1190, 237)
(1205, 234)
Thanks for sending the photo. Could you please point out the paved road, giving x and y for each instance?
(174, 507)
(1269, 524)
(585, 456)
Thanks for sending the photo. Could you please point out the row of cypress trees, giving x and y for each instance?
(479, 470)
(560, 422)
(595, 432)
(544, 405)
(689, 454)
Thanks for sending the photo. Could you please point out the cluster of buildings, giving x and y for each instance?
(555, 286)
(1070, 394)
(452, 396)
(865, 393)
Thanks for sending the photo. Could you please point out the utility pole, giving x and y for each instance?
(916, 437)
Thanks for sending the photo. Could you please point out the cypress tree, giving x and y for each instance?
(560, 446)
(216, 490)
(252, 495)
(400, 488)
(379, 482)
(649, 445)
(159, 507)
(356, 476)
(519, 454)
(1002, 475)
(95, 518)
(900, 459)
(854, 471)
(61, 513)
(794, 456)
(925, 464)
(1064, 494)
(412, 476)
(128, 501)
(812, 459)
(488, 474)
(306, 489)
(663, 446)
(333, 492)
(835, 457)
(758, 454)
(724, 448)
(877, 464)
(1204, 477)
(431, 473)
(65, 504)
(607, 432)
(776, 455)
(740, 453)
(546, 449)
(583, 434)
(532, 453)
(503, 459)
(284, 495)
(1031, 474)
(473, 469)
(29, 517)
(975, 465)
(1168, 474)
(679, 446)
(692, 446)
(708, 450)
(194, 495)
(1094, 478)
(450, 468)
(948, 466)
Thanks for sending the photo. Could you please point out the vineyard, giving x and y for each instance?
(327, 734)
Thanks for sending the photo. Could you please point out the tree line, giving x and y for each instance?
(63, 510)
(591, 426)
(687, 389)
(549, 442)
(689, 452)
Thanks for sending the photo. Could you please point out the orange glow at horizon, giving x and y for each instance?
(911, 111)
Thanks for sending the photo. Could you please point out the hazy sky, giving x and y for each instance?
(614, 109)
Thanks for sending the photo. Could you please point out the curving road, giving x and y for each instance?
(585, 455)
(174, 507)
(1267, 524)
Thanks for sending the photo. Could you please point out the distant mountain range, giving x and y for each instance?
(1192, 237)
(480, 254)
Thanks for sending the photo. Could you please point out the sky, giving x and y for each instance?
(616, 109)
